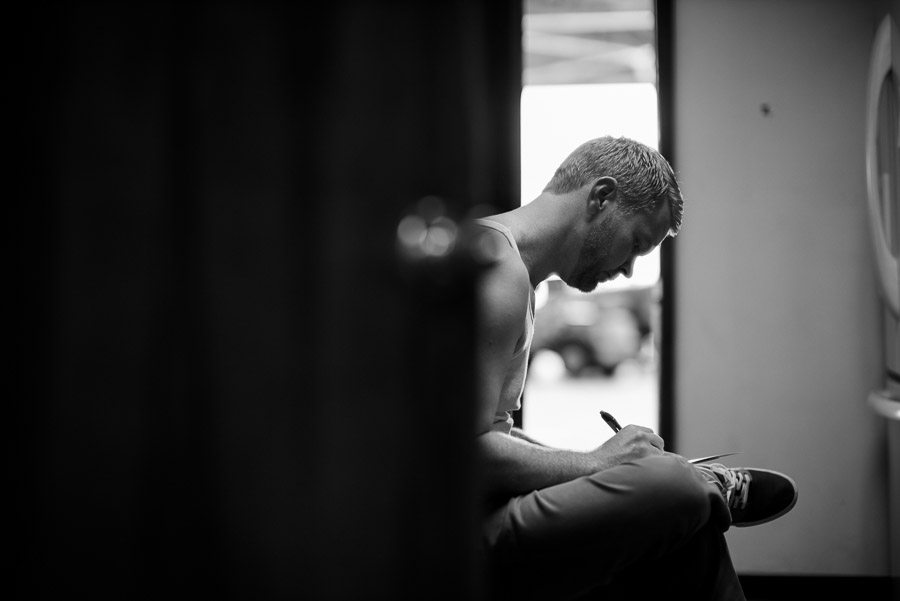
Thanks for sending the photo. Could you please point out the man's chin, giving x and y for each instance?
(584, 284)
(587, 287)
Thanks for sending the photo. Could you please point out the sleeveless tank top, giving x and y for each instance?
(514, 381)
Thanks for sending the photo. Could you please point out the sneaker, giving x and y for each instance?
(754, 496)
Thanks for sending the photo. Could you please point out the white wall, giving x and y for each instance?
(778, 329)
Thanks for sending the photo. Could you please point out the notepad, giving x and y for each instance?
(711, 457)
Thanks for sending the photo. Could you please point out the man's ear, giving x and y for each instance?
(602, 195)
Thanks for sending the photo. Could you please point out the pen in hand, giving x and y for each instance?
(609, 419)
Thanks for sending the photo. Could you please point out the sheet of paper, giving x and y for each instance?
(710, 458)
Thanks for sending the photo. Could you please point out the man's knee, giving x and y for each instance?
(675, 489)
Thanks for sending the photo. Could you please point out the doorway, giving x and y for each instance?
(589, 69)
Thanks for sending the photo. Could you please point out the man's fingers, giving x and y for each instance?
(653, 437)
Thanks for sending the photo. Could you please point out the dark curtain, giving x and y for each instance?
(230, 386)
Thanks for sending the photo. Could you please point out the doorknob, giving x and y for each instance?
(442, 247)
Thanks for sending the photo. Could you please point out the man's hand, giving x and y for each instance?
(630, 443)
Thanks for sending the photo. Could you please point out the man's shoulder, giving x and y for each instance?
(505, 283)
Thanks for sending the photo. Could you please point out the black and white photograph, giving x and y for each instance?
(475, 300)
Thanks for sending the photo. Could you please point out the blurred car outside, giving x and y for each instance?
(598, 330)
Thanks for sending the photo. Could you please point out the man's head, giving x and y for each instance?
(631, 203)
(644, 178)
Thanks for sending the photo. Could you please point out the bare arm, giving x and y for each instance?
(519, 433)
(514, 464)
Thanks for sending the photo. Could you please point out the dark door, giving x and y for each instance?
(234, 386)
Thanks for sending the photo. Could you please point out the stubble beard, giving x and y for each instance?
(594, 249)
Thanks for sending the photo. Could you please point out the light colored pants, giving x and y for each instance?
(649, 529)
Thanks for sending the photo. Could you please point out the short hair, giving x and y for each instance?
(645, 178)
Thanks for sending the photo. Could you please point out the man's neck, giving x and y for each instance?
(543, 230)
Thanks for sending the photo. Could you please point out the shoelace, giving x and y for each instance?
(735, 483)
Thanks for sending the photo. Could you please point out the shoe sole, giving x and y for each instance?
(774, 516)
